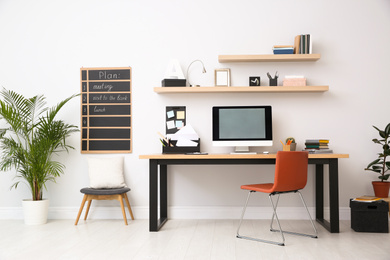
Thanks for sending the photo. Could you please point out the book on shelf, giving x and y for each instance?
(283, 50)
(297, 42)
(303, 44)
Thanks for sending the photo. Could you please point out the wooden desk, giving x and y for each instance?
(158, 166)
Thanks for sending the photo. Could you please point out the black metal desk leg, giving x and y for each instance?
(163, 193)
(319, 191)
(153, 196)
(334, 195)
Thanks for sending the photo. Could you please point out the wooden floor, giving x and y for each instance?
(182, 239)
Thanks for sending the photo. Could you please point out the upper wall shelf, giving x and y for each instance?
(268, 58)
(265, 89)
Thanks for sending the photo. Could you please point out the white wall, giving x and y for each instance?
(45, 43)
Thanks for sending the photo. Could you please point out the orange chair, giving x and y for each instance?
(290, 177)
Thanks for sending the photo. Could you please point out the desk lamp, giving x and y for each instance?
(188, 78)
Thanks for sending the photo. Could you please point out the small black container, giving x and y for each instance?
(173, 82)
(370, 216)
(180, 149)
(273, 82)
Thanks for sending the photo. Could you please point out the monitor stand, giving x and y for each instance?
(242, 150)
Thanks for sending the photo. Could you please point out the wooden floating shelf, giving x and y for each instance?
(265, 89)
(268, 58)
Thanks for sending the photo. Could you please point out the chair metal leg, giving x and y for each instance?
(243, 212)
(295, 233)
(308, 213)
(273, 213)
(251, 238)
(275, 216)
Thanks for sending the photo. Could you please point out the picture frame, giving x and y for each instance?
(222, 77)
(254, 81)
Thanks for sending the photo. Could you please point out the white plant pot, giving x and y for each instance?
(35, 211)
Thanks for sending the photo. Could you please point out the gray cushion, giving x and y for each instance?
(91, 191)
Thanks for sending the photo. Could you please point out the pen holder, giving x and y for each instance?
(273, 82)
(290, 147)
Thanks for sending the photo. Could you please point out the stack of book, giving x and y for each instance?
(302, 44)
(283, 49)
(317, 146)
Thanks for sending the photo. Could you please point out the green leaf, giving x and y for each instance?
(387, 130)
(388, 165)
(376, 128)
(373, 162)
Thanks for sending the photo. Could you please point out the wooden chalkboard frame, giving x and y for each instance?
(106, 113)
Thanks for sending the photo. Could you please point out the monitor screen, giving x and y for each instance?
(242, 126)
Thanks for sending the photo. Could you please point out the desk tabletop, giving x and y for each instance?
(236, 156)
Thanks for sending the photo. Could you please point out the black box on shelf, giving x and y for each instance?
(181, 149)
(173, 82)
(370, 216)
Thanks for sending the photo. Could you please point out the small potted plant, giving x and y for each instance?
(291, 142)
(381, 165)
(33, 135)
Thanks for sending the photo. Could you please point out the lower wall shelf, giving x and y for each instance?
(268, 89)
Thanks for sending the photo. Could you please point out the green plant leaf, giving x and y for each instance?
(387, 129)
(388, 165)
(373, 162)
(376, 128)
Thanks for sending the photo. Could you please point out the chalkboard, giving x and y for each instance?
(109, 121)
(109, 74)
(106, 110)
(109, 98)
(109, 133)
(111, 86)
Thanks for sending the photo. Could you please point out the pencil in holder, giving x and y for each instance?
(289, 147)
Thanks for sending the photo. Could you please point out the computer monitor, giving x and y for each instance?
(242, 127)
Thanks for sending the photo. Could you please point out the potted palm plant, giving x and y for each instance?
(28, 144)
(381, 165)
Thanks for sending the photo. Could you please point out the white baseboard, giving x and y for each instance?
(177, 213)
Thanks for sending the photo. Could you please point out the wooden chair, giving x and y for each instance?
(290, 177)
(105, 194)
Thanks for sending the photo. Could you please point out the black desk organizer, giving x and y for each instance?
(181, 149)
(370, 216)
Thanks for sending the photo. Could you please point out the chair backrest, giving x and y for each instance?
(290, 171)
